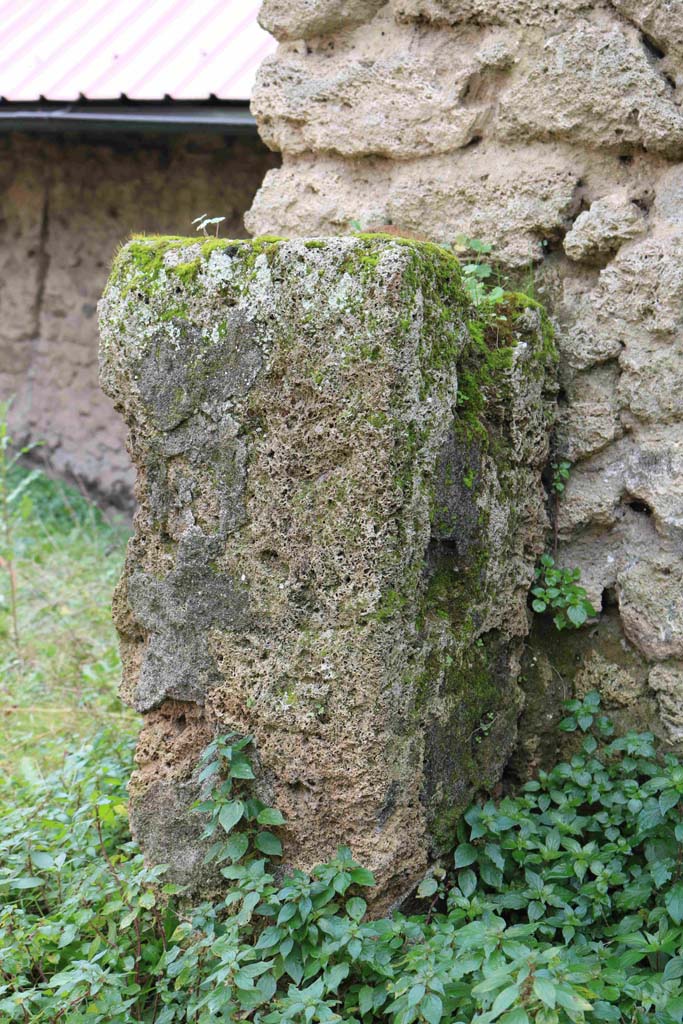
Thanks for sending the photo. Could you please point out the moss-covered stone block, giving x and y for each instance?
(339, 511)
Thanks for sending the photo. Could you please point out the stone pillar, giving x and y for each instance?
(340, 506)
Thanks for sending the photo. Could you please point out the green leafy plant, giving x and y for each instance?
(558, 590)
(560, 476)
(476, 270)
(563, 904)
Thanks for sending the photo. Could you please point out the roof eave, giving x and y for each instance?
(232, 119)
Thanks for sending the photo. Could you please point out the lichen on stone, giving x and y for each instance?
(340, 506)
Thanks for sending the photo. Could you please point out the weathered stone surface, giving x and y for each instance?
(575, 168)
(600, 230)
(585, 660)
(650, 594)
(667, 682)
(517, 195)
(661, 22)
(377, 95)
(515, 13)
(668, 204)
(596, 86)
(590, 419)
(340, 507)
(302, 19)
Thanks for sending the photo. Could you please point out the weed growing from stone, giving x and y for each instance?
(559, 591)
(476, 271)
(560, 476)
(561, 904)
(202, 223)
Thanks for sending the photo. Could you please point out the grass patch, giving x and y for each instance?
(60, 679)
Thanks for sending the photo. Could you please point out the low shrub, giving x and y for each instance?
(564, 903)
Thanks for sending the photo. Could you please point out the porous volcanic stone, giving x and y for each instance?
(340, 507)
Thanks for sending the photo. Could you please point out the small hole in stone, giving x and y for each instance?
(641, 507)
(643, 203)
(609, 599)
(652, 48)
(268, 555)
(626, 158)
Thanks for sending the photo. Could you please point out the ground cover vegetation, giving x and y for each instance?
(560, 903)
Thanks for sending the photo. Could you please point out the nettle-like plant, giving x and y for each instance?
(561, 904)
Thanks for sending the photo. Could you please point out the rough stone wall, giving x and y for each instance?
(340, 506)
(555, 131)
(65, 206)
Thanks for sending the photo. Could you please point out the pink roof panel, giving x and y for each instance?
(143, 49)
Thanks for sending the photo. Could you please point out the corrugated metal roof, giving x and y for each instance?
(142, 49)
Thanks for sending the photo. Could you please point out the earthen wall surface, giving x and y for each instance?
(65, 206)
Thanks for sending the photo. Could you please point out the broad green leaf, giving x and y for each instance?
(427, 887)
(673, 969)
(41, 859)
(674, 902)
(465, 855)
(504, 1000)
(236, 846)
(356, 907)
(361, 876)
(365, 1000)
(415, 994)
(545, 990)
(335, 976)
(270, 816)
(230, 814)
(431, 1008)
(269, 844)
(26, 882)
(518, 1015)
(668, 799)
(467, 880)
